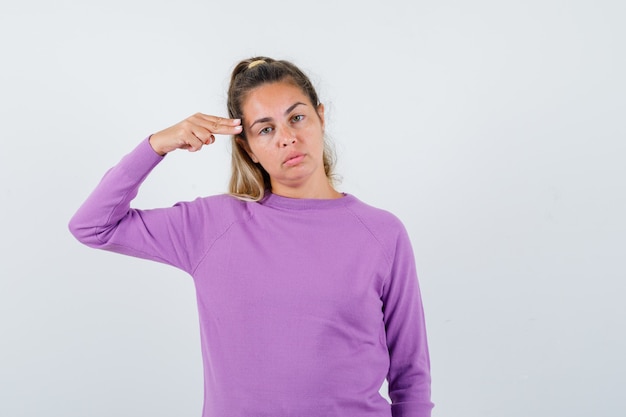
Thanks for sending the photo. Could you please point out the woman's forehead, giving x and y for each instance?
(272, 98)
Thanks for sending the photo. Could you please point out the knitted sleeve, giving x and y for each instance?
(409, 370)
(168, 235)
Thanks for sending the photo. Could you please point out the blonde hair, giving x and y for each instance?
(249, 180)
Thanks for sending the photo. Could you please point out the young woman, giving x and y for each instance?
(308, 298)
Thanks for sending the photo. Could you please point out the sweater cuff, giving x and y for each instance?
(411, 409)
(141, 160)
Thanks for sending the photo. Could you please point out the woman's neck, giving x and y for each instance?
(322, 191)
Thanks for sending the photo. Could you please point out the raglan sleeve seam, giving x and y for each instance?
(219, 236)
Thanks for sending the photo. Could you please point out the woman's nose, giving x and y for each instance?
(287, 136)
(287, 142)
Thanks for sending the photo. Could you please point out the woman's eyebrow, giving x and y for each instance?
(293, 106)
(268, 119)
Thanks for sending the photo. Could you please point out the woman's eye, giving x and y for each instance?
(265, 131)
(297, 118)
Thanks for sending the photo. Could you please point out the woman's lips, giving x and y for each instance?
(294, 159)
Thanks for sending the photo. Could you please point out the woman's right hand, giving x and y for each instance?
(193, 132)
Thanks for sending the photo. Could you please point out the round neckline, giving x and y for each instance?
(278, 201)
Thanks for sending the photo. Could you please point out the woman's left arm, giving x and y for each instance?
(409, 370)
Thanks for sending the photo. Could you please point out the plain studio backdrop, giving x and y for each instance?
(493, 129)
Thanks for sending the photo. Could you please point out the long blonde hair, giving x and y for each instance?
(249, 180)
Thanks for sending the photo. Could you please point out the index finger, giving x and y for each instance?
(221, 125)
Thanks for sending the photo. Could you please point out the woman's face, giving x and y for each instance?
(285, 134)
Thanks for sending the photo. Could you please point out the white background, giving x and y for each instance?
(494, 129)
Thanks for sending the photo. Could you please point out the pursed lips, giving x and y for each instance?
(293, 158)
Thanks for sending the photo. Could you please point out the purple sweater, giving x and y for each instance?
(305, 306)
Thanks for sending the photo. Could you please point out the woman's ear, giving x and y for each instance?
(320, 113)
(244, 144)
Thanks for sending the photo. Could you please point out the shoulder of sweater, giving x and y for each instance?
(218, 201)
(223, 205)
(212, 215)
(384, 225)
